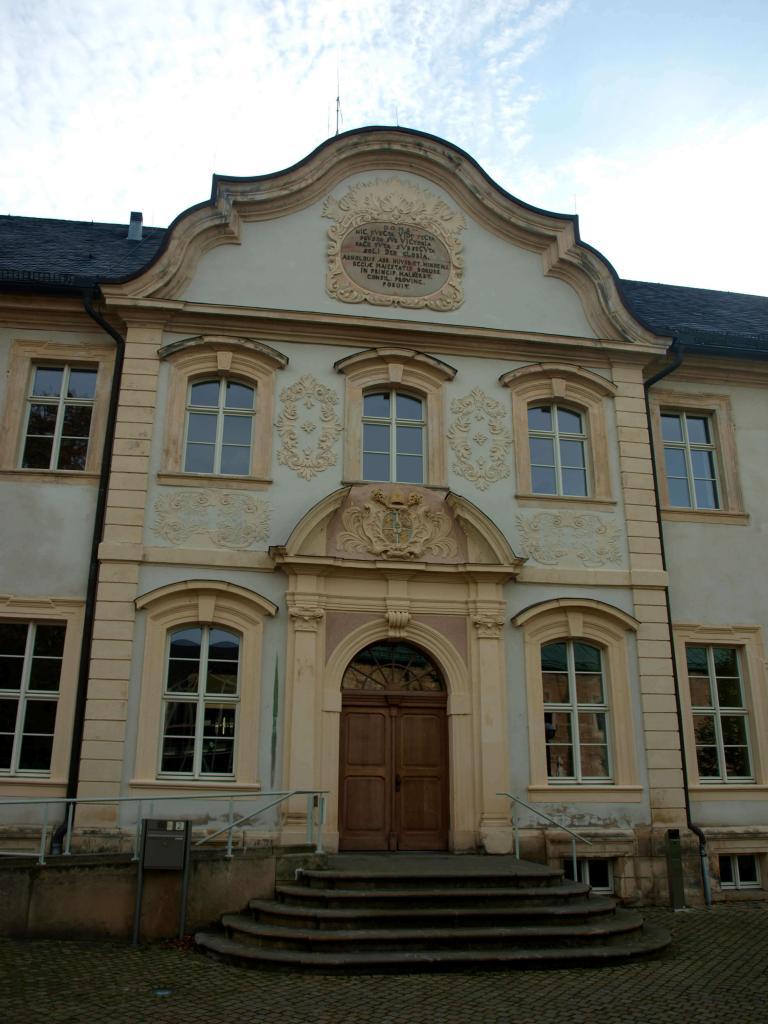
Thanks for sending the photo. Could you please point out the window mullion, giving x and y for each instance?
(716, 710)
(202, 677)
(393, 435)
(575, 739)
(556, 446)
(21, 710)
(689, 461)
(219, 427)
(59, 428)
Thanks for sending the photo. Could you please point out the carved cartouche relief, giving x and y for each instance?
(480, 439)
(394, 243)
(230, 519)
(552, 537)
(308, 427)
(397, 525)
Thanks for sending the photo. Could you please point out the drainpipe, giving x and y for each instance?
(676, 351)
(93, 569)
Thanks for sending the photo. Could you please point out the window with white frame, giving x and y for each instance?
(690, 460)
(557, 441)
(394, 427)
(575, 713)
(30, 676)
(57, 428)
(201, 697)
(720, 715)
(593, 871)
(739, 871)
(219, 427)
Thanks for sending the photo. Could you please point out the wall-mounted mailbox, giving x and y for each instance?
(165, 843)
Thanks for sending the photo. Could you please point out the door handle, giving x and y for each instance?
(398, 781)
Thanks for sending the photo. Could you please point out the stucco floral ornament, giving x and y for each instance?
(550, 537)
(397, 526)
(480, 439)
(231, 519)
(394, 243)
(308, 406)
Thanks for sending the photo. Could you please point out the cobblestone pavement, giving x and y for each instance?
(716, 971)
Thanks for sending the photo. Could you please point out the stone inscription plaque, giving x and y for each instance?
(394, 243)
(399, 258)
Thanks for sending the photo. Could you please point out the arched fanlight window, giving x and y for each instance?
(393, 665)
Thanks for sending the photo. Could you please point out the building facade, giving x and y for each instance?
(368, 478)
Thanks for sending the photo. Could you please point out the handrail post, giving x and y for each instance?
(320, 823)
(43, 835)
(137, 833)
(573, 857)
(310, 819)
(230, 823)
(70, 815)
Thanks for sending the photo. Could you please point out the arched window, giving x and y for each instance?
(200, 702)
(219, 427)
(557, 440)
(575, 712)
(562, 410)
(394, 416)
(578, 682)
(394, 428)
(393, 665)
(218, 410)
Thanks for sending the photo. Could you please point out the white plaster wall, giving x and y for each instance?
(281, 264)
(46, 538)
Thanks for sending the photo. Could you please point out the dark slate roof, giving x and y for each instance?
(672, 309)
(42, 252)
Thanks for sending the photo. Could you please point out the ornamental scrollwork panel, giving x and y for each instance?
(397, 526)
(553, 537)
(230, 519)
(480, 439)
(308, 426)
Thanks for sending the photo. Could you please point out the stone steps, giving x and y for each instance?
(401, 913)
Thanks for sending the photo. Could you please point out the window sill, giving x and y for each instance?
(51, 476)
(724, 790)
(205, 786)
(392, 483)
(575, 793)
(237, 483)
(702, 515)
(563, 499)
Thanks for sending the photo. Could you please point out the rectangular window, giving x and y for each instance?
(690, 460)
(30, 676)
(739, 871)
(595, 872)
(720, 716)
(60, 406)
(575, 713)
(201, 700)
(393, 437)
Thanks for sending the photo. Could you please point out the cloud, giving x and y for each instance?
(118, 105)
(683, 213)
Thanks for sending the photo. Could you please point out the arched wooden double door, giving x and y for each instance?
(393, 785)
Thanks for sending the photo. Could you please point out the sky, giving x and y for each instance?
(649, 118)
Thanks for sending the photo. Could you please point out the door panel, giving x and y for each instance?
(393, 785)
(365, 813)
(421, 800)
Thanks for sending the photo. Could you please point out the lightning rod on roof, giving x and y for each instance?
(339, 118)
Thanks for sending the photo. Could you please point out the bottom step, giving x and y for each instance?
(648, 941)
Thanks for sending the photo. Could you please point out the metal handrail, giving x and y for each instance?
(558, 824)
(315, 802)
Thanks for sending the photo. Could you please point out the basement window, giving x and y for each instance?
(593, 871)
(739, 871)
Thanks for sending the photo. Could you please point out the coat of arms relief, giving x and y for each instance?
(398, 526)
